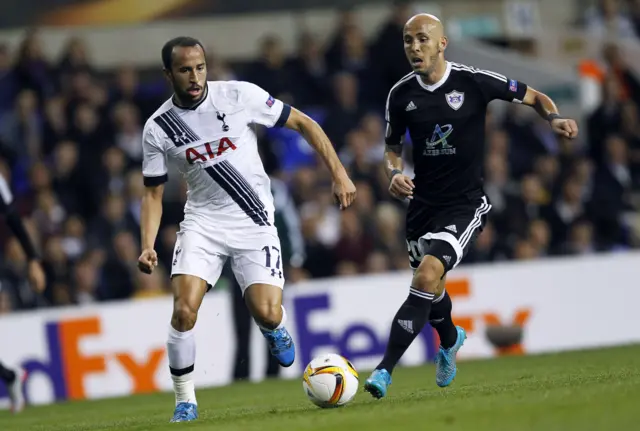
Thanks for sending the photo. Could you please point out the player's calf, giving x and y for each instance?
(414, 312)
(265, 304)
(181, 344)
(451, 338)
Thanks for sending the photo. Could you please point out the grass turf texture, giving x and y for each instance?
(586, 390)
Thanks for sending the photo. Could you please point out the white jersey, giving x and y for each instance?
(215, 147)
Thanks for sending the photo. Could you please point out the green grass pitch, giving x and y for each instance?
(586, 390)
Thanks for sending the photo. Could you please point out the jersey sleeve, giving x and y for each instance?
(396, 124)
(263, 108)
(496, 86)
(154, 160)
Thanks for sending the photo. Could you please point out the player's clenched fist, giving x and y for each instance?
(401, 187)
(565, 127)
(344, 191)
(147, 261)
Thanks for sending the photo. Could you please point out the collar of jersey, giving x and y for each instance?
(194, 107)
(440, 83)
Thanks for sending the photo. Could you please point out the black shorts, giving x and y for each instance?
(446, 232)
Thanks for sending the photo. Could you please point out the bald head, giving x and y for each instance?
(424, 43)
(425, 21)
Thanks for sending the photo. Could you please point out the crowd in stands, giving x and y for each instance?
(70, 145)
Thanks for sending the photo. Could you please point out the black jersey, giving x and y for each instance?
(446, 123)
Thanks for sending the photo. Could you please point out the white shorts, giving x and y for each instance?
(254, 253)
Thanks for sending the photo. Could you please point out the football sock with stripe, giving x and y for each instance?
(406, 325)
(6, 375)
(181, 349)
(440, 319)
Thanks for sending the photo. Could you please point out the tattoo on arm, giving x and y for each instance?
(392, 159)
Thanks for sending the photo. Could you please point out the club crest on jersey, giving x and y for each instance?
(455, 99)
(270, 101)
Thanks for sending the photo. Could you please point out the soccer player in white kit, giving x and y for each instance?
(208, 130)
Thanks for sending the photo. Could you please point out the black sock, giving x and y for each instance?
(406, 325)
(440, 319)
(6, 375)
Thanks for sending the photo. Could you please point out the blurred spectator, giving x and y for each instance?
(151, 285)
(120, 270)
(395, 65)
(8, 83)
(74, 60)
(353, 245)
(634, 10)
(377, 262)
(539, 237)
(20, 131)
(269, 72)
(618, 67)
(581, 239)
(346, 112)
(566, 209)
(522, 210)
(32, 70)
(606, 19)
(85, 281)
(310, 74)
(126, 119)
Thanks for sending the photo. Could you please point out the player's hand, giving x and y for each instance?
(401, 187)
(37, 279)
(344, 191)
(147, 261)
(565, 127)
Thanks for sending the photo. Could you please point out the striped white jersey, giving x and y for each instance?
(214, 145)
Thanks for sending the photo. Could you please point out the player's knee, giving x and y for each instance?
(268, 314)
(184, 316)
(428, 275)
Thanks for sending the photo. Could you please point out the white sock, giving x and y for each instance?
(280, 325)
(181, 349)
(439, 298)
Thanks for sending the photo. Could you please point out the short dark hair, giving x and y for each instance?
(183, 41)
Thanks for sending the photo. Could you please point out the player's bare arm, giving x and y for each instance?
(400, 185)
(547, 109)
(343, 188)
(151, 214)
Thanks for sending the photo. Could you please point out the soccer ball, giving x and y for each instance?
(330, 381)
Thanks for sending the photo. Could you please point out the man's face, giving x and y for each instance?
(422, 42)
(188, 74)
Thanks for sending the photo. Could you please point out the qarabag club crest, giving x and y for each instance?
(455, 99)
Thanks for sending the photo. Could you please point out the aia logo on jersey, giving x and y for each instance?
(455, 99)
(209, 151)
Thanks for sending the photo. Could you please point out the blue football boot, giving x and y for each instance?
(446, 360)
(185, 412)
(377, 383)
(281, 345)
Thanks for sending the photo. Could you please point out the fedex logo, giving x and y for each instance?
(67, 367)
(308, 339)
(460, 289)
(209, 151)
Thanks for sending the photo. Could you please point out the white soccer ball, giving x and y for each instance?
(330, 380)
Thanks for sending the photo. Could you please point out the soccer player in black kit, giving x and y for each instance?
(443, 106)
